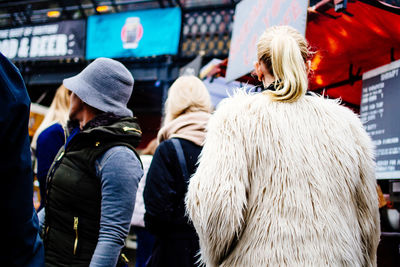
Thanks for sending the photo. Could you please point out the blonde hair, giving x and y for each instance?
(57, 113)
(284, 51)
(186, 94)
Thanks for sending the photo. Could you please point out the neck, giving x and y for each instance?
(86, 117)
(268, 79)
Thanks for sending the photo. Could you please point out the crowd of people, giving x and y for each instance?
(280, 177)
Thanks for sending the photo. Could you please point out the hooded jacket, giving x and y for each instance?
(23, 246)
(285, 184)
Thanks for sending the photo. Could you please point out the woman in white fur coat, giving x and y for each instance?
(285, 178)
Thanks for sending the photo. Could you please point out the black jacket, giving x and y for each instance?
(164, 195)
(22, 245)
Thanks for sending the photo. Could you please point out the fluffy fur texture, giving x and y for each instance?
(285, 184)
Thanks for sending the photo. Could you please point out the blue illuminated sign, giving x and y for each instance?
(134, 34)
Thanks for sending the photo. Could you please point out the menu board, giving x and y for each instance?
(380, 110)
(63, 39)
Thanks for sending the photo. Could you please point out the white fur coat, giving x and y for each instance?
(292, 183)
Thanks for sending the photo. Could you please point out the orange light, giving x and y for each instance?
(343, 32)
(318, 80)
(315, 61)
(102, 9)
(53, 14)
(347, 19)
(333, 45)
(377, 30)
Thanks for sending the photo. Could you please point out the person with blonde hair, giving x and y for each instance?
(57, 113)
(285, 178)
(50, 137)
(181, 138)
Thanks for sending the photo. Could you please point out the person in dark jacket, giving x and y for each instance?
(187, 111)
(22, 245)
(91, 186)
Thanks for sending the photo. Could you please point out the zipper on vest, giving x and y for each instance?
(60, 156)
(53, 169)
(76, 233)
(49, 179)
(126, 128)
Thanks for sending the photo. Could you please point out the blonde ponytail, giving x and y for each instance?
(284, 52)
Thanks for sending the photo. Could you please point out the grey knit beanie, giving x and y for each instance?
(104, 84)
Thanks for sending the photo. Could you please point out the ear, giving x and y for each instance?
(258, 71)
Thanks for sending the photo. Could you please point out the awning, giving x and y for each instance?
(365, 36)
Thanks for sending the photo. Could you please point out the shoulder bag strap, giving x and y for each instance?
(181, 158)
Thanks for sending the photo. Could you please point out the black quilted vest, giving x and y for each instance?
(74, 193)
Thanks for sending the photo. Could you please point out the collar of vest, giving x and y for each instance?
(125, 129)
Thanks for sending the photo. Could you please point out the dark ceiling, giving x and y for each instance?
(19, 13)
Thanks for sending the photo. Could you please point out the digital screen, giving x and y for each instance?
(140, 33)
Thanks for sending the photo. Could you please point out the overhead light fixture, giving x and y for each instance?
(102, 9)
(53, 14)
